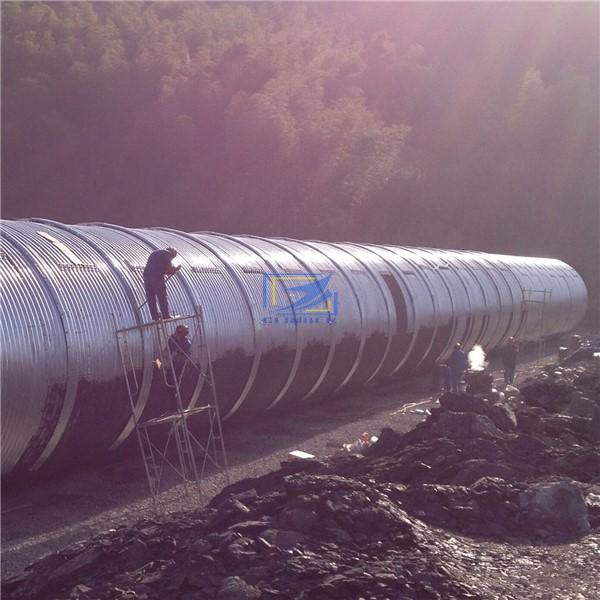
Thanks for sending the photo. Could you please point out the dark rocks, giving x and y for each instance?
(469, 440)
(490, 507)
(485, 448)
(554, 510)
(283, 539)
(503, 417)
(581, 406)
(235, 588)
(302, 519)
(464, 403)
(555, 424)
(455, 425)
(529, 419)
(77, 566)
(526, 447)
(473, 470)
(385, 444)
(583, 464)
(135, 553)
(80, 592)
(547, 393)
(359, 542)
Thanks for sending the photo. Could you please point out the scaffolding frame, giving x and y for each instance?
(530, 299)
(155, 447)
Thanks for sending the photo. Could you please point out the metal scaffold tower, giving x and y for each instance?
(535, 300)
(180, 371)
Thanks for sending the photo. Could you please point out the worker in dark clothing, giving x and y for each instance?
(180, 348)
(509, 360)
(457, 363)
(159, 264)
(179, 344)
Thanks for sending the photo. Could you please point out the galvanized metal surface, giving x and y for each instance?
(66, 288)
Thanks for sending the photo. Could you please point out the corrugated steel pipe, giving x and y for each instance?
(379, 311)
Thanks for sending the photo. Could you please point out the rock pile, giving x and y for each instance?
(360, 527)
(303, 533)
(528, 467)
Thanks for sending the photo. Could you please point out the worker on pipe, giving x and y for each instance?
(159, 265)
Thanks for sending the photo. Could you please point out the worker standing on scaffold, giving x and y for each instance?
(159, 264)
(179, 344)
(180, 348)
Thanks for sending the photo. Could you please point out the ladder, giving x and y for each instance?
(532, 299)
(167, 440)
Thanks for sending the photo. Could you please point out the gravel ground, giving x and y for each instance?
(527, 572)
(49, 516)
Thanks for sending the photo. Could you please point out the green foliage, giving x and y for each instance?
(445, 125)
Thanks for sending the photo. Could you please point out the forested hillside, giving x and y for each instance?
(450, 125)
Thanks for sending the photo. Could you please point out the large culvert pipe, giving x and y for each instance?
(389, 310)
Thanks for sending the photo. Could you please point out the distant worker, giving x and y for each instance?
(159, 264)
(457, 363)
(509, 360)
